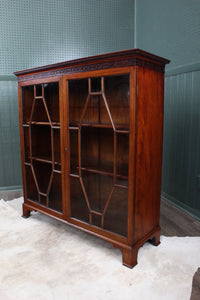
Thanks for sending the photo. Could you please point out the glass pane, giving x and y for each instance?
(117, 95)
(26, 144)
(27, 102)
(74, 152)
(56, 140)
(97, 149)
(98, 188)
(43, 200)
(116, 215)
(96, 112)
(78, 92)
(38, 89)
(31, 189)
(41, 141)
(96, 220)
(55, 194)
(51, 95)
(96, 84)
(42, 173)
(79, 209)
(39, 113)
(96, 184)
(122, 158)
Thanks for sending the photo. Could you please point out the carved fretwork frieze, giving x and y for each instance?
(93, 67)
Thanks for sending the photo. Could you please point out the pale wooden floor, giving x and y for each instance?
(173, 222)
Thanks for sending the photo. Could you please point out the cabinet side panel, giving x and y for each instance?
(149, 151)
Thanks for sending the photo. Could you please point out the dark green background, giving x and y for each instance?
(35, 33)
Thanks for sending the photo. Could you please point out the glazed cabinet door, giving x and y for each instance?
(41, 144)
(98, 131)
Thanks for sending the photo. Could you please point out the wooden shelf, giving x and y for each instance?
(42, 159)
(103, 173)
(103, 170)
(43, 194)
(120, 128)
(121, 180)
(45, 160)
(54, 124)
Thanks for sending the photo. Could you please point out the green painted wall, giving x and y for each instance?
(181, 155)
(172, 29)
(35, 33)
(169, 28)
(10, 165)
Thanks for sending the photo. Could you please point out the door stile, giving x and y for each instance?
(132, 153)
(64, 138)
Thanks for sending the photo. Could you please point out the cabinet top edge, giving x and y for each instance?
(112, 56)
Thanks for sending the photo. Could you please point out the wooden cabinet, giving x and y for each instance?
(91, 145)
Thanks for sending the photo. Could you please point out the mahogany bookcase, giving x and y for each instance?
(91, 145)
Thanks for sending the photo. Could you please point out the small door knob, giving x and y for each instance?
(66, 149)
